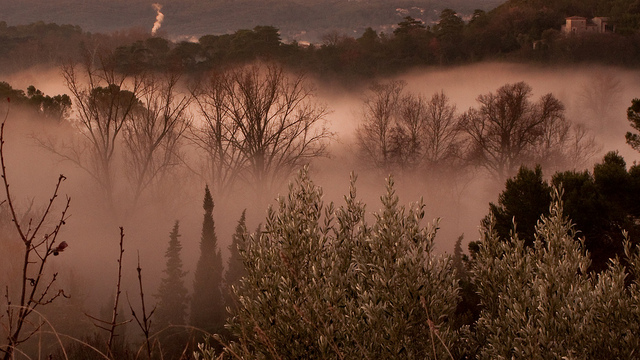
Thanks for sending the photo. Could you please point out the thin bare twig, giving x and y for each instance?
(111, 326)
(145, 324)
(36, 254)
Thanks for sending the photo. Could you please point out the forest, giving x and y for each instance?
(239, 195)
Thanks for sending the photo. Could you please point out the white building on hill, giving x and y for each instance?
(579, 24)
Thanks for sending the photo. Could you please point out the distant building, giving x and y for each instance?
(579, 24)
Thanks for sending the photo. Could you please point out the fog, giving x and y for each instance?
(93, 231)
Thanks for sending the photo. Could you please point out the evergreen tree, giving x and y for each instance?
(207, 305)
(633, 115)
(526, 197)
(235, 268)
(172, 294)
(458, 257)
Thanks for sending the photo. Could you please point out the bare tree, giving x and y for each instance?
(104, 100)
(215, 135)
(549, 149)
(442, 131)
(505, 131)
(599, 98)
(406, 131)
(260, 124)
(580, 147)
(40, 243)
(110, 326)
(378, 121)
(138, 119)
(152, 134)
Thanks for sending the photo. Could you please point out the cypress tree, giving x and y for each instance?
(207, 305)
(172, 293)
(235, 269)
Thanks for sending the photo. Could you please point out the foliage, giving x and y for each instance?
(207, 303)
(540, 302)
(323, 283)
(512, 30)
(449, 34)
(525, 198)
(36, 103)
(633, 115)
(56, 108)
(600, 203)
(173, 301)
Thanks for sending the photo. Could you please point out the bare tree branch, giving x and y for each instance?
(36, 253)
(260, 124)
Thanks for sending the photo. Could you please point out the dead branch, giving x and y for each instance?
(110, 326)
(36, 253)
(145, 324)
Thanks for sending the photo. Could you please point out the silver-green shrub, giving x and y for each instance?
(323, 284)
(541, 303)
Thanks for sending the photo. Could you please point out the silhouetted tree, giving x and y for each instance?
(441, 132)
(172, 294)
(207, 304)
(633, 115)
(407, 131)
(410, 42)
(56, 108)
(173, 302)
(235, 269)
(525, 198)
(153, 132)
(601, 204)
(374, 135)
(104, 101)
(449, 34)
(260, 124)
(509, 130)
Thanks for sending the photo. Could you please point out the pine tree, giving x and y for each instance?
(458, 257)
(235, 269)
(172, 293)
(207, 305)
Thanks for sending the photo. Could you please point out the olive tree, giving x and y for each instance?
(541, 302)
(322, 283)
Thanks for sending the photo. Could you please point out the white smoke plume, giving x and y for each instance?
(159, 18)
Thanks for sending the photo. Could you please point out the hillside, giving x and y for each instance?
(297, 19)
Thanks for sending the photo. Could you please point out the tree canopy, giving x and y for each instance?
(601, 203)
